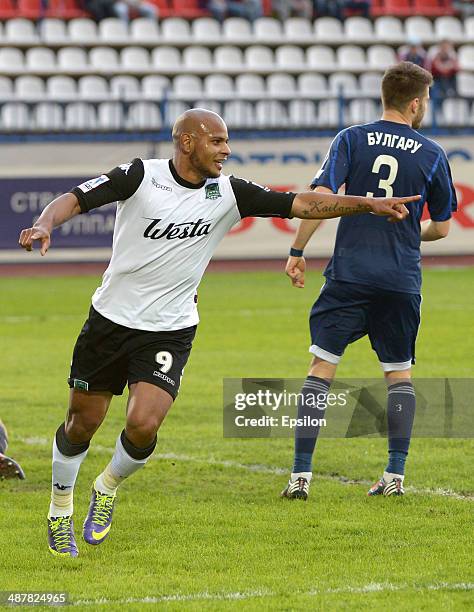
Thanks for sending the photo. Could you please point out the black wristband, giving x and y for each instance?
(296, 252)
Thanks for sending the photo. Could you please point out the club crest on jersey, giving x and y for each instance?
(212, 191)
(188, 229)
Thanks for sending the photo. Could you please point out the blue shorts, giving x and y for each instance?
(345, 312)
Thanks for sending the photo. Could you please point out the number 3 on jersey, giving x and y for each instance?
(165, 360)
(385, 184)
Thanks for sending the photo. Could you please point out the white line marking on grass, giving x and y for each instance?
(262, 469)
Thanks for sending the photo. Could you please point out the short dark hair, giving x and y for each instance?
(402, 83)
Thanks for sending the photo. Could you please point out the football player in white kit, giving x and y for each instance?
(171, 215)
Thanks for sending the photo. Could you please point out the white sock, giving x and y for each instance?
(307, 475)
(388, 476)
(64, 474)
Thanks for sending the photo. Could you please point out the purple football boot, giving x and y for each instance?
(61, 540)
(99, 518)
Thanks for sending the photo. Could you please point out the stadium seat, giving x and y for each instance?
(328, 29)
(267, 30)
(30, 9)
(11, 60)
(281, 86)
(82, 31)
(362, 111)
(321, 58)
(72, 59)
(125, 87)
(270, 114)
(312, 85)
(40, 59)
(155, 87)
(28, 88)
(173, 110)
(455, 112)
(290, 57)
(211, 105)
(370, 84)
(432, 8)
(175, 31)
(110, 116)
(61, 88)
(259, 58)
(449, 28)
(93, 88)
(166, 59)
(190, 9)
(419, 28)
(8, 9)
(186, 87)
(6, 89)
(358, 29)
(351, 58)
(53, 31)
(48, 117)
(302, 113)
(135, 59)
(206, 30)
(465, 84)
(400, 8)
(15, 116)
(389, 29)
(343, 83)
(228, 58)
(469, 28)
(65, 9)
(380, 57)
(298, 30)
(466, 57)
(104, 59)
(328, 114)
(219, 87)
(144, 31)
(20, 32)
(197, 59)
(239, 114)
(165, 9)
(80, 116)
(249, 87)
(235, 29)
(113, 31)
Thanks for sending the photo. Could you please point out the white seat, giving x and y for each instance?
(20, 31)
(82, 31)
(110, 116)
(419, 28)
(363, 111)
(143, 116)
(259, 58)
(351, 58)
(29, 88)
(449, 28)
(389, 29)
(173, 110)
(267, 30)
(428, 118)
(53, 31)
(210, 105)
(197, 59)
(312, 85)
(80, 116)
(155, 87)
(11, 60)
(175, 30)
(466, 57)
(380, 57)
(72, 59)
(6, 88)
(125, 87)
(290, 57)
(370, 84)
(239, 114)
(15, 116)
(298, 30)
(93, 88)
(104, 59)
(302, 113)
(465, 84)
(328, 114)
(48, 116)
(228, 58)
(219, 87)
(454, 112)
(61, 88)
(281, 86)
(113, 30)
(40, 59)
(186, 87)
(250, 87)
(271, 114)
(320, 58)
(469, 28)
(328, 29)
(358, 29)
(144, 31)
(135, 59)
(236, 29)
(166, 59)
(206, 30)
(343, 83)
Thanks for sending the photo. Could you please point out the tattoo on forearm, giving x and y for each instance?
(320, 207)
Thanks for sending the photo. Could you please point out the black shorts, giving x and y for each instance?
(108, 355)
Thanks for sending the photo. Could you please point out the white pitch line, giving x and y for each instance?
(259, 468)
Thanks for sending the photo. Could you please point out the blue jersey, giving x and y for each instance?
(386, 159)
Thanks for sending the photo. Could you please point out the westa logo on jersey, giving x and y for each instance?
(188, 229)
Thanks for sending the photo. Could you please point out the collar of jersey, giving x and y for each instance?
(181, 181)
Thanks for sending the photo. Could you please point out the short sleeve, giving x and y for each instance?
(441, 193)
(254, 200)
(335, 168)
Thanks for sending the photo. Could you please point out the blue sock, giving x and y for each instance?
(400, 415)
(306, 436)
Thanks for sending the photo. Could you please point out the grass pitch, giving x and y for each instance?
(202, 527)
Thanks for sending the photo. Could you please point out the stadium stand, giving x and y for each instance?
(63, 72)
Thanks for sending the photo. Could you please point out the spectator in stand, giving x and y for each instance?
(413, 52)
(444, 67)
(125, 9)
(292, 8)
(99, 9)
(329, 8)
(464, 7)
(361, 6)
(248, 9)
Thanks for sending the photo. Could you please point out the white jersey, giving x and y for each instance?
(166, 231)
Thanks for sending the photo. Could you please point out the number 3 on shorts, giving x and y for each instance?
(165, 360)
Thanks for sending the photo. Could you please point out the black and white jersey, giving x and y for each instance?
(166, 230)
